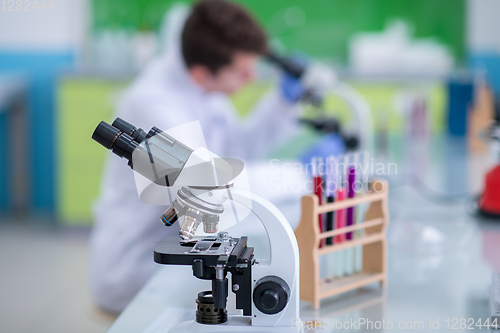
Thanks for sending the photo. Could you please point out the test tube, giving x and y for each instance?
(350, 175)
(340, 218)
(318, 188)
(358, 212)
(330, 192)
(363, 176)
(351, 178)
(366, 171)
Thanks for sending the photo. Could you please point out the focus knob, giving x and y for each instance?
(271, 295)
(270, 299)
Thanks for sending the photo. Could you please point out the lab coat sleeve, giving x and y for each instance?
(270, 124)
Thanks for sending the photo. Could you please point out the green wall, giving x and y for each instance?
(82, 104)
(327, 24)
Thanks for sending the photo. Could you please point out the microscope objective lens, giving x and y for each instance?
(188, 228)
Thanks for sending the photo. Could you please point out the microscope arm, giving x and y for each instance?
(361, 110)
(284, 254)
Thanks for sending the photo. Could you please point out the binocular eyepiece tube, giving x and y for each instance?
(160, 158)
(112, 138)
(288, 65)
(121, 137)
(156, 155)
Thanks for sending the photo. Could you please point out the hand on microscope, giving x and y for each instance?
(294, 69)
(291, 84)
(291, 88)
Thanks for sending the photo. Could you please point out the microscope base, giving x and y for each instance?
(234, 324)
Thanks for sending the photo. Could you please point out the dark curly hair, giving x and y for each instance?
(216, 30)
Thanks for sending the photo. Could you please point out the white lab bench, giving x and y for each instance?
(440, 262)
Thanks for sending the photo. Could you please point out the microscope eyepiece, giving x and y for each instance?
(296, 70)
(288, 65)
(156, 155)
(124, 146)
(138, 134)
(105, 135)
(112, 138)
(124, 126)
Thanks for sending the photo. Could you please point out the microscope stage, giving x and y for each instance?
(171, 251)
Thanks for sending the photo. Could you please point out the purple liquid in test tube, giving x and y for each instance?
(351, 178)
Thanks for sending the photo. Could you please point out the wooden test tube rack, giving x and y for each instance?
(373, 242)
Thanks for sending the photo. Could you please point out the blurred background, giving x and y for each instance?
(64, 65)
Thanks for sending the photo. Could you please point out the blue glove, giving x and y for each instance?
(291, 88)
(328, 145)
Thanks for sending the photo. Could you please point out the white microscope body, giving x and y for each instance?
(267, 291)
(283, 262)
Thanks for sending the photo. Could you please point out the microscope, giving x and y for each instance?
(266, 290)
(319, 80)
(298, 71)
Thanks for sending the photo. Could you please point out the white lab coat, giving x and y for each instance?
(126, 230)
